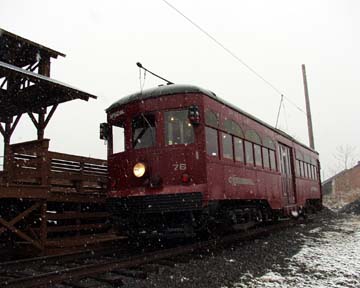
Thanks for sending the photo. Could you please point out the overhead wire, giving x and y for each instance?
(233, 55)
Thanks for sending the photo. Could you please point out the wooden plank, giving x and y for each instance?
(26, 172)
(24, 163)
(75, 158)
(77, 215)
(24, 191)
(81, 240)
(74, 197)
(35, 146)
(77, 176)
(67, 228)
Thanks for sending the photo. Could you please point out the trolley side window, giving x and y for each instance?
(143, 131)
(178, 129)
(272, 160)
(239, 149)
(212, 147)
(227, 146)
(249, 153)
(118, 138)
(257, 152)
(266, 160)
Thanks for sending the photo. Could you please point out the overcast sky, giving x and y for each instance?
(103, 40)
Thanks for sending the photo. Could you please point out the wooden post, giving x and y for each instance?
(44, 69)
(43, 223)
(7, 152)
(44, 162)
(308, 111)
(41, 124)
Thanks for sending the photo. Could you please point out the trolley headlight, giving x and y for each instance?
(139, 169)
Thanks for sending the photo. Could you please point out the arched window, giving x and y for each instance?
(211, 118)
(232, 127)
(252, 136)
(299, 155)
(267, 142)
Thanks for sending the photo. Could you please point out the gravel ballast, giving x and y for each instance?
(322, 253)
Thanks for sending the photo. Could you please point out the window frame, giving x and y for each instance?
(273, 152)
(222, 134)
(252, 153)
(208, 128)
(165, 128)
(257, 146)
(242, 150)
(148, 113)
(263, 148)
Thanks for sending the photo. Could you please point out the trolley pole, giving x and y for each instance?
(308, 111)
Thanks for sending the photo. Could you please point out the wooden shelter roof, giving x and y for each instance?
(20, 52)
(42, 92)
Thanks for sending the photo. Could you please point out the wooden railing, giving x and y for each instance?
(32, 163)
(27, 163)
(70, 173)
(67, 193)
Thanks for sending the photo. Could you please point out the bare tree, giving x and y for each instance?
(345, 156)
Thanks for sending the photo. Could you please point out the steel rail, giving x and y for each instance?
(56, 258)
(90, 270)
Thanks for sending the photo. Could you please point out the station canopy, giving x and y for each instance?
(42, 92)
(21, 89)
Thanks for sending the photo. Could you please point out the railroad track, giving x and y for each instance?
(110, 268)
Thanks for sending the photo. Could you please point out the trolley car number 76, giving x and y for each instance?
(179, 166)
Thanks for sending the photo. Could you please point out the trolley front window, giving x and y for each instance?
(118, 137)
(143, 131)
(178, 129)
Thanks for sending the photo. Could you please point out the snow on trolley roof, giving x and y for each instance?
(168, 90)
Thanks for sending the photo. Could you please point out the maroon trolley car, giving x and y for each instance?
(190, 159)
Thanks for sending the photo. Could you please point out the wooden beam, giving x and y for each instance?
(51, 113)
(33, 120)
(2, 130)
(14, 125)
(21, 216)
(3, 83)
(20, 234)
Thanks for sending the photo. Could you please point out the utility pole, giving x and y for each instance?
(308, 111)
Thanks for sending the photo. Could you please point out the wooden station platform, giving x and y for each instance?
(58, 199)
(49, 201)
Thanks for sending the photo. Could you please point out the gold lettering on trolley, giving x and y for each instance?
(235, 181)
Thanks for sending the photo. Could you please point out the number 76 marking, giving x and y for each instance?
(179, 166)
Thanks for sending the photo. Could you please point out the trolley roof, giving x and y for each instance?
(168, 90)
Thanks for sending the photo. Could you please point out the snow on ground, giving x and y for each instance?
(329, 258)
(322, 253)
